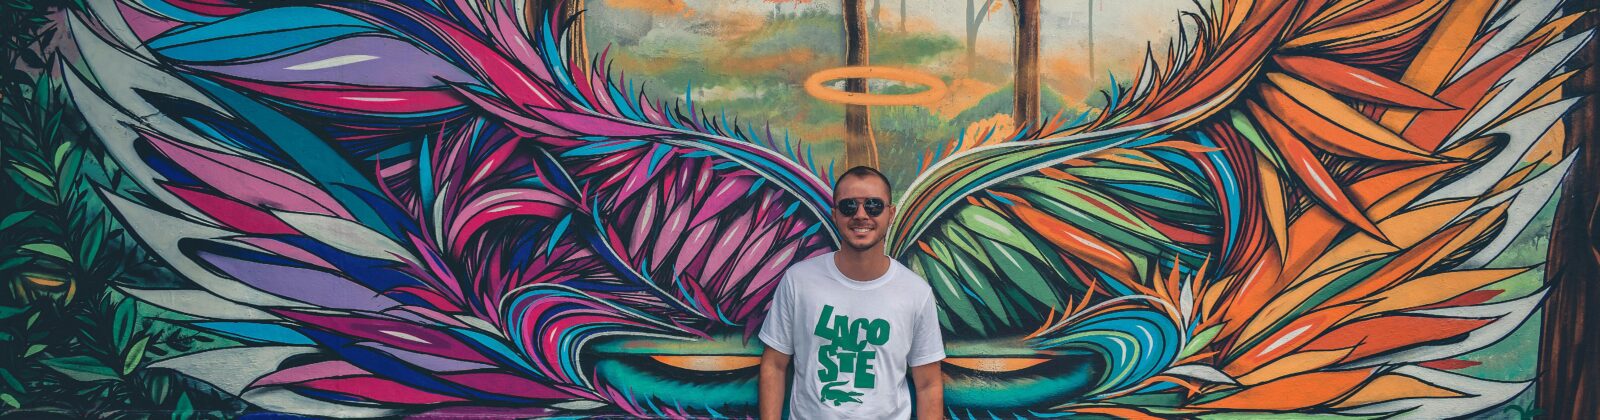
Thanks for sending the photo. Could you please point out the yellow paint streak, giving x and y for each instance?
(708, 363)
(995, 364)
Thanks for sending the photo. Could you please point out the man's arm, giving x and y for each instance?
(930, 390)
(774, 372)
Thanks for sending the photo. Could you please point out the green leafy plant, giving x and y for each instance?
(58, 227)
(70, 344)
(99, 368)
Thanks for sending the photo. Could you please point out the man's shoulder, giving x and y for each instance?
(915, 282)
(809, 267)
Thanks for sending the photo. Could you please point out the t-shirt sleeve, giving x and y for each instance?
(775, 331)
(927, 342)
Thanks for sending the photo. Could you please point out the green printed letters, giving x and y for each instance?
(847, 352)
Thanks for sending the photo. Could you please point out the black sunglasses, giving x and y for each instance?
(848, 206)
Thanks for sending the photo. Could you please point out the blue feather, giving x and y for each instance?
(256, 332)
(312, 154)
(561, 229)
(425, 172)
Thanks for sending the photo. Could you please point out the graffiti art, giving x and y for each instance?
(505, 208)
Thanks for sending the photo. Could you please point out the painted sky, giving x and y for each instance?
(693, 25)
(749, 58)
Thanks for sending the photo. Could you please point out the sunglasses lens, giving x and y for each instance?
(848, 207)
(874, 207)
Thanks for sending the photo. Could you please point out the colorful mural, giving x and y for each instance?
(447, 208)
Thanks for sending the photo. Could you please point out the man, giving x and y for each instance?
(853, 321)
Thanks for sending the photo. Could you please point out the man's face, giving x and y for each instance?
(862, 230)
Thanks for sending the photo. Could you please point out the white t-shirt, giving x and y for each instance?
(852, 341)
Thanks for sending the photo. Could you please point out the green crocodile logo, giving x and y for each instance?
(838, 396)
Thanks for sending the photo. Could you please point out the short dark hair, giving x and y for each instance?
(862, 171)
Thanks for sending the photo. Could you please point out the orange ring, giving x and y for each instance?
(814, 87)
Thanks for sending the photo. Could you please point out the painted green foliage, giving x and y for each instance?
(68, 343)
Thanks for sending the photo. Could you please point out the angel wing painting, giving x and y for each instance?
(442, 208)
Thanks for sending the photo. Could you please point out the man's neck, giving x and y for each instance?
(865, 265)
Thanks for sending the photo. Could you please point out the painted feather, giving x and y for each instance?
(457, 229)
(1298, 213)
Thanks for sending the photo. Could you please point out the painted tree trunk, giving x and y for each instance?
(877, 13)
(1571, 325)
(972, 50)
(860, 148)
(1093, 75)
(577, 37)
(974, 18)
(1027, 96)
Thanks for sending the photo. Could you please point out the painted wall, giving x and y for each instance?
(447, 208)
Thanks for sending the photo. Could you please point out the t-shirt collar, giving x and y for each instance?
(833, 270)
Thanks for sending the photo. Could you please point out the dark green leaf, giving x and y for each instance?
(34, 349)
(61, 152)
(14, 218)
(46, 248)
(14, 262)
(32, 189)
(82, 368)
(70, 167)
(41, 91)
(11, 380)
(34, 175)
(134, 356)
(184, 410)
(53, 125)
(124, 324)
(11, 311)
(89, 249)
(15, 119)
(29, 154)
(50, 226)
(159, 387)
